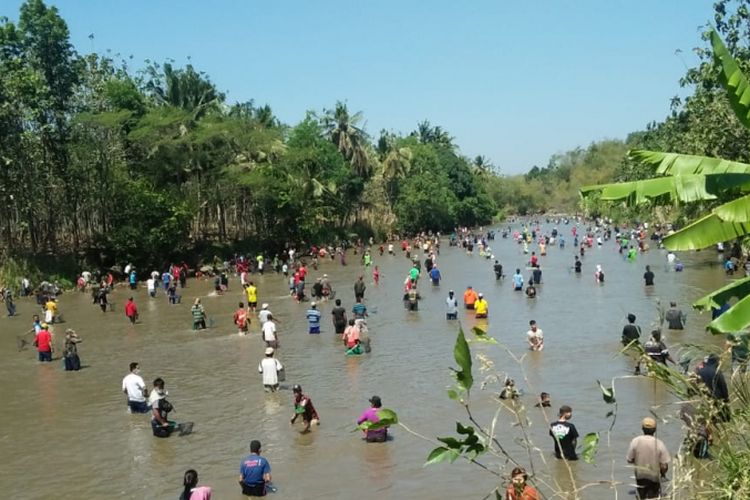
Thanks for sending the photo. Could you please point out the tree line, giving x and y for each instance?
(111, 164)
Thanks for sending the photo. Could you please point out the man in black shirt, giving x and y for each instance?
(498, 270)
(631, 332)
(565, 434)
(339, 317)
(648, 276)
(675, 317)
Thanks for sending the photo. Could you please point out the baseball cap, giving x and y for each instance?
(648, 423)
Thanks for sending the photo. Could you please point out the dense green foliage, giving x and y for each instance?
(105, 163)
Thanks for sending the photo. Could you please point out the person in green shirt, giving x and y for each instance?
(199, 315)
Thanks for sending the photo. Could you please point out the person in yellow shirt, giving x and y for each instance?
(50, 311)
(252, 296)
(481, 308)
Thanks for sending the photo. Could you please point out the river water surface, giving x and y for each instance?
(68, 434)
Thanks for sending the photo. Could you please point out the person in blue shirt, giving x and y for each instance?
(133, 278)
(435, 275)
(518, 281)
(255, 472)
(359, 310)
(313, 318)
(166, 278)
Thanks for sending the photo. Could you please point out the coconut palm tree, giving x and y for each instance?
(345, 132)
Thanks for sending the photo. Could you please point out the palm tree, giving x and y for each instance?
(427, 134)
(349, 138)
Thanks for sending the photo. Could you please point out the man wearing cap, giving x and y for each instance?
(265, 315)
(371, 415)
(565, 434)
(313, 318)
(651, 460)
(451, 306)
(303, 406)
(255, 472)
(43, 343)
(481, 308)
(270, 367)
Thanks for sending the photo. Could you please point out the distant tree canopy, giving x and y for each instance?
(99, 161)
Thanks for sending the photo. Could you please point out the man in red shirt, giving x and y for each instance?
(43, 343)
(241, 319)
(131, 310)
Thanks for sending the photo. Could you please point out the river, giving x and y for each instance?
(68, 434)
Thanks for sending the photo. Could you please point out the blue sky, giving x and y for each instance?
(515, 81)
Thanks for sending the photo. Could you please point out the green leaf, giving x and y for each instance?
(733, 80)
(685, 188)
(460, 429)
(441, 454)
(590, 447)
(453, 394)
(679, 164)
(608, 393)
(736, 319)
(462, 355)
(735, 211)
(736, 289)
(451, 442)
(386, 418)
(705, 232)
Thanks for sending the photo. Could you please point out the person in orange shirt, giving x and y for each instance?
(518, 489)
(470, 296)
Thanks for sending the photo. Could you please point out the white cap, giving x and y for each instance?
(269, 351)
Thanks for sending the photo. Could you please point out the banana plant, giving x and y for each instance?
(689, 178)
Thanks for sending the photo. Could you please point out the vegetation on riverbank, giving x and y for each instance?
(111, 164)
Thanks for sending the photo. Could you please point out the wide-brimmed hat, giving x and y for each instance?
(264, 306)
(648, 423)
(269, 351)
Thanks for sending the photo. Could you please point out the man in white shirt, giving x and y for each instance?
(451, 304)
(135, 388)
(270, 368)
(535, 337)
(264, 314)
(269, 334)
(151, 286)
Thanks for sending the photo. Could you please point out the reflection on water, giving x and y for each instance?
(77, 421)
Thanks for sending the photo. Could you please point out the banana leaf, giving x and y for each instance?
(735, 211)
(717, 298)
(679, 164)
(685, 188)
(705, 232)
(732, 79)
(736, 319)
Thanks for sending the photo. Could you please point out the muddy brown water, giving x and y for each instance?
(68, 434)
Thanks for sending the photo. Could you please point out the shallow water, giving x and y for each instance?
(68, 434)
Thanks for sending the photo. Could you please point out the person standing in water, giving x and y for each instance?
(451, 306)
(435, 275)
(191, 489)
(674, 317)
(339, 318)
(303, 406)
(255, 473)
(565, 434)
(577, 264)
(481, 308)
(131, 310)
(599, 274)
(70, 353)
(371, 415)
(199, 315)
(313, 318)
(648, 277)
(470, 298)
(535, 337)
(241, 319)
(270, 367)
(359, 289)
(650, 459)
(498, 268)
(518, 281)
(43, 343)
(135, 388)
